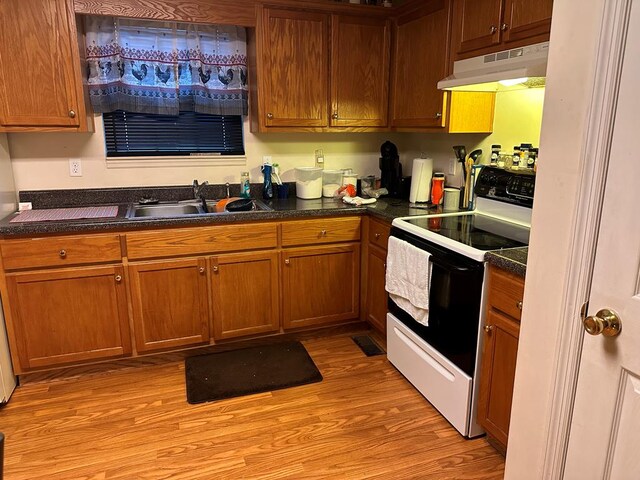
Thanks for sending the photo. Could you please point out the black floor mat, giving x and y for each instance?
(249, 370)
(367, 345)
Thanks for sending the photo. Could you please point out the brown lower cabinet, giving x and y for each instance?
(499, 354)
(184, 287)
(330, 276)
(246, 294)
(70, 315)
(376, 295)
(170, 303)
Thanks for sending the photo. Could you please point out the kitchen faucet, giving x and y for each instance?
(197, 193)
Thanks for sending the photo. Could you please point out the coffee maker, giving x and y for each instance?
(391, 169)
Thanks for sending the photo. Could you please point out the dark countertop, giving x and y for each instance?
(513, 260)
(290, 208)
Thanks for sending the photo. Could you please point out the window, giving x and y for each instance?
(138, 134)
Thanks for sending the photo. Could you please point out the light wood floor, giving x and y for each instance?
(364, 421)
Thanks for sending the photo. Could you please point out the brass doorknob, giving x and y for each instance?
(605, 322)
(72, 114)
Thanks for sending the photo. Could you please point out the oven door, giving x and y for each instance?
(454, 304)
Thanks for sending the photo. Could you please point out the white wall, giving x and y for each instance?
(7, 190)
(570, 75)
(40, 160)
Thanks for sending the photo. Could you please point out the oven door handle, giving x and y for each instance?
(449, 266)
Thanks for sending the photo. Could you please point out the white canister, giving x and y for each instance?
(308, 182)
(350, 179)
(451, 199)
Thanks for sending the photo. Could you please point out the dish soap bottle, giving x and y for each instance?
(245, 186)
(267, 188)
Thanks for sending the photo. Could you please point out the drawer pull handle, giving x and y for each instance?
(118, 278)
(215, 268)
(63, 253)
(377, 235)
(488, 328)
(202, 270)
(519, 305)
(287, 261)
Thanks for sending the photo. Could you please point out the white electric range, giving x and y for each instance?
(442, 359)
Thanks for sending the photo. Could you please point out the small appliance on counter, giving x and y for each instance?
(391, 170)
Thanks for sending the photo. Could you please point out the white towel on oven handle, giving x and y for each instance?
(408, 278)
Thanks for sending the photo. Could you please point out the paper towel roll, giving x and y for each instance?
(421, 180)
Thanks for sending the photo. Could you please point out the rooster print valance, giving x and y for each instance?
(165, 68)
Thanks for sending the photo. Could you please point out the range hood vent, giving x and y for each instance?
(528, 64)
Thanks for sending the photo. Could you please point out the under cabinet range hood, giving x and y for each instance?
(523, 67)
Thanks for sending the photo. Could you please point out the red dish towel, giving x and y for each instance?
(65, 214)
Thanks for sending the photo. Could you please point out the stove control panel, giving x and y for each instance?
(511, 186)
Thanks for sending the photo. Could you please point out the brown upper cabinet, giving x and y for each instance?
(485, 26)
(421, 59)
(40, 78)
(300, 86)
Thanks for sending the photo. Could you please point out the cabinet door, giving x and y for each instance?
(420, 61)
(320, 285)
(497, 374)
(480, 22)
(170, 303)
(40, 82)
(359, 71)
(246, 294)
(376, 293)
(69, 316)
(526, 19)
(294, 68)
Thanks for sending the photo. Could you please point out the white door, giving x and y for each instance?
(605, 432)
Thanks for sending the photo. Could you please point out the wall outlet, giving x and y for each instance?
(453, 166)
(266, 160)
(75, 167)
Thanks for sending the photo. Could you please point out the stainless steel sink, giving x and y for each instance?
(172, 210)
(164, 210)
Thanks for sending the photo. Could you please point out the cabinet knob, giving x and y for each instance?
(287, 261)
(215, 268)
(488, 328)
(493, 29)
(438, 115)
(270, 116)
(335, 115)
(118, 278)
(519, 305)
(323, 233)
(202, 269)
(504, 26)
(377, 235)
(62, 253)
(72, 113)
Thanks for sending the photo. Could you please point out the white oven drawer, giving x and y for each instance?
(446, 387)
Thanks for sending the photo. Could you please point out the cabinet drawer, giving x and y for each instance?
(60, 251)
(324, 230)
(505, 292)
(202, 240)
(379, 233)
